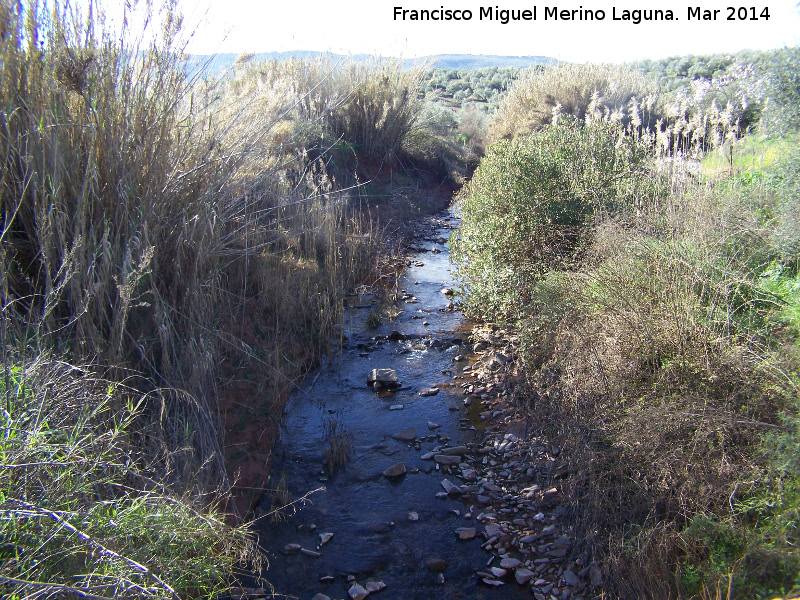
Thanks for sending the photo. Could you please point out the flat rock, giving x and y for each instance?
(407, 435)
(432, 425)
(444, 459)
(429, 392)
(480, 347)
(324, 538)
(291, 548)
(523, 576)
(396, 407)
(356, 592)
(510, 563)
(437, 565)
(455, 451)
(311, 553)
(466, 533)
(498, 572)
(395, 470)
(450, 488)
(428, 456)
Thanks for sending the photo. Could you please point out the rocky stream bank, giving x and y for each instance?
(408, 468)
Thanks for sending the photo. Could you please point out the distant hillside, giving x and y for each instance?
(220, 63)
(480, 61)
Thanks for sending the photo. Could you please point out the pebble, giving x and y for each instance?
(311, 553)
(396, 407)
(437, 565)
(444, 459)
(324, 538)
(321, 597)
(375, 586)
(432, 425)
(412, 516)
(291, 548)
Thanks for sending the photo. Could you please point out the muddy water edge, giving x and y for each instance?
(475, 511)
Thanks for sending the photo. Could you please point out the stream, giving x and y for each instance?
(396, 537)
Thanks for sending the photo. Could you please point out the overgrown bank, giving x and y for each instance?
(174, 255)
(656, 298)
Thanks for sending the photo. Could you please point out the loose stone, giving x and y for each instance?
(444, 459)
(356, 592)
(321, 597)
(437, 565)
(523, 576)
(375, 586)
(311, 553)
(466, 533)
(395, 471)
(407, 435)
(412, 516)
(324, 538)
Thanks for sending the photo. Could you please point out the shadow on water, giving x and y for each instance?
(382, 529)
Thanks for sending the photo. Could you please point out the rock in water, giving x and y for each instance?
(356, 592)
(383, 379)
(466, 533)
(407, 435)
(437, 565)
(395, 471)
(375, 586)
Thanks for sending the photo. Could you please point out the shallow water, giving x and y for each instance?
(373, 537)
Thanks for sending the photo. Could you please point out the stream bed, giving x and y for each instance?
(401, 537)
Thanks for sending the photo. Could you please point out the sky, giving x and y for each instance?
(359, 26)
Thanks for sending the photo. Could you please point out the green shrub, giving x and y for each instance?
(530, 206)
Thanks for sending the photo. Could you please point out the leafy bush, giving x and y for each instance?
(530, 206)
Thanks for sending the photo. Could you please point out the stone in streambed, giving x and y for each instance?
(375, 586)
(381, 379)
(407, 435)
(437, 565)
(321, 597)
(443, 459)
(356, 592)
(466, 533)
(523, 576)
(397, 470)
(429, 392)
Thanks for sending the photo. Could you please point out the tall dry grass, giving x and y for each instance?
(577, 90)
(176, 234)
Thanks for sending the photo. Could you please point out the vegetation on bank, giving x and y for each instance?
(657, 298)
(175, 253)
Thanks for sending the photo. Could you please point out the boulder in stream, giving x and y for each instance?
(383, 379)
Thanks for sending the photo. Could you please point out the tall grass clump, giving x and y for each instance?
(168, 233)
(663, 352)
(575, 90)
(83, 510)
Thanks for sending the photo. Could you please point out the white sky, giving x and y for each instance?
(363, 26)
